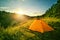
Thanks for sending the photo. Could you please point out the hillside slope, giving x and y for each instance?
(54, 11)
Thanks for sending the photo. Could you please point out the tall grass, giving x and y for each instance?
(22, 32)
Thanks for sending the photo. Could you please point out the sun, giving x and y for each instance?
(20, 11)
(23, 12)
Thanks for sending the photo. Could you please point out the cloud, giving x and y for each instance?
(26, 11)
(4, 8)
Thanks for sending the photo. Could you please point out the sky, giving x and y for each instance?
(28, 7)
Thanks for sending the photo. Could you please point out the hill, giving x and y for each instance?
(54, 11)
(11, 19)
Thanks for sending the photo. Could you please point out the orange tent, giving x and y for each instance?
(40, 26)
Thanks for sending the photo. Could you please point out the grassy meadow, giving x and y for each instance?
(21, 32)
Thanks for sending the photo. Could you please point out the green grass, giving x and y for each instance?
(22, 32)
